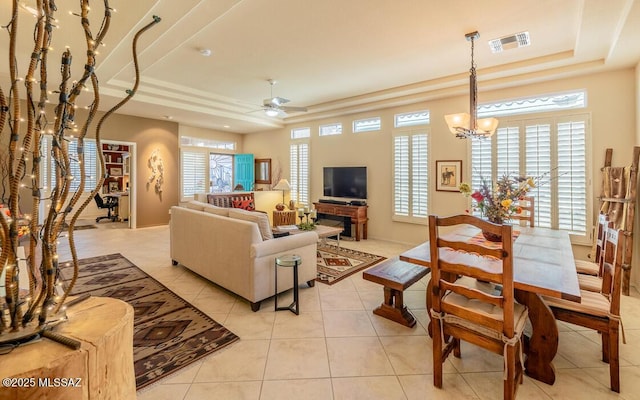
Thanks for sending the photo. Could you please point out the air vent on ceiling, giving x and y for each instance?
(510, 42)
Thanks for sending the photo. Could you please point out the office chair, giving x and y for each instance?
(110, 205)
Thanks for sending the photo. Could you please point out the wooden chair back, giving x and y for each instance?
(527, 205)
(612, 260)
(601, 234)
(451, 258)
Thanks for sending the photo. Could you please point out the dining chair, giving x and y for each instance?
(527, 205)
(600, 311)
(465, 309)
(593, 267)
(590, 272)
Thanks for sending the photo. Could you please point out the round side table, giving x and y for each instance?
(292, 261)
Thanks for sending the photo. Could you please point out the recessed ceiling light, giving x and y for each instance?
(510, 42)
(226, 126)
(205, 52)
(168, 117)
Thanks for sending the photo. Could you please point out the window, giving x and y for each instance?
(331, 129)
(220, 172)
(410, 176)
(210, 143)
(535, 104)
(193, 172)
(299, 164)
(90, 160)
(366, 125)
(300, 133)
(412, 118)
(551, 147)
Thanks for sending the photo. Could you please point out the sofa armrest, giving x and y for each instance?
(280, 245)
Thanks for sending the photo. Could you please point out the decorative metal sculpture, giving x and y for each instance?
(21, 134)
(157, 170)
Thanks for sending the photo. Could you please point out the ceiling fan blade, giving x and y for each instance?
(292, 108)
(279, 100)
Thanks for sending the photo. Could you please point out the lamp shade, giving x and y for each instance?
(457, 121)
(282, 184)
(271, 112)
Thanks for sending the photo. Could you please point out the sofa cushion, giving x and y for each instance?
(244, 204)
(211, 209)
(195, 205)
(259, 218)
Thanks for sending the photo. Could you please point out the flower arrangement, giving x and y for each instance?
(498, 202)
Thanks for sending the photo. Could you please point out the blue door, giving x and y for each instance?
(243, 171)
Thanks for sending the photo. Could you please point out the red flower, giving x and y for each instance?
(477, 197)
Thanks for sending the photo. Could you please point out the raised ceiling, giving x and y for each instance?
(332, 56)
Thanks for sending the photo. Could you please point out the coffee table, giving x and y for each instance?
(322, 231)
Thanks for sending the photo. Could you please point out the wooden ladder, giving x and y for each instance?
(629, 200)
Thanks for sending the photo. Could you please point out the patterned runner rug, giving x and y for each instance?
(335, 264)
(168, 332)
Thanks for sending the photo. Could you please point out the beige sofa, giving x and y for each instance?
(221, 245)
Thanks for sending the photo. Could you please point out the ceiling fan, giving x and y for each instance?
(273, 106)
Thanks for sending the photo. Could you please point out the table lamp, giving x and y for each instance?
(283, 185)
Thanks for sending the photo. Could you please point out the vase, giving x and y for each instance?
(292, 204)
(493, 237)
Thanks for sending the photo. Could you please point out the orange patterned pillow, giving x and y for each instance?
(244, 204)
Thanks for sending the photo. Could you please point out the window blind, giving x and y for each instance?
(410, 176)
(193, 167)
(299, 172)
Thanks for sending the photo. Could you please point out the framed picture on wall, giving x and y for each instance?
(448, 175)
(114, 187)
(115, 171)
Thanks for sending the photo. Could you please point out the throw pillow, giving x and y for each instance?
(261, 219)
(244, 204)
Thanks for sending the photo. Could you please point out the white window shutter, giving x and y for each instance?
(572, 177)
(410, 176)
(538, 163)
(194, 172)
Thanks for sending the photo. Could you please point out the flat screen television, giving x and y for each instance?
(346, 182)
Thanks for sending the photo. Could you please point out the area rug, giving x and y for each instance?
(168, 332)
(335, 264)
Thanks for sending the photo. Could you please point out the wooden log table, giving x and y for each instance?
(395, 276)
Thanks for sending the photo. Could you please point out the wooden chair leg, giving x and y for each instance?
(614, 359)
(510, 382)
(606, 339)
(456, 349)
(437, 354)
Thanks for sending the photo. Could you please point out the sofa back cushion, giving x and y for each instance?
(211, 209)
(195, 205)
(259, 218)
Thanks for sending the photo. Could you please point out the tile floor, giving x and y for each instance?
(337, 349)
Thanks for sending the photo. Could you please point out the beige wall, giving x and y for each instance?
(611, 103)
(635, 261)
(148, 134)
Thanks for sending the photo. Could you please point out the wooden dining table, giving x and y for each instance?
(543, 264)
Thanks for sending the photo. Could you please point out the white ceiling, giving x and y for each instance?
(328, 55)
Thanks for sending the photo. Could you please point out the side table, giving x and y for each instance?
(292, 261)
(284, 217)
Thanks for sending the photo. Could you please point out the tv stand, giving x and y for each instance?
(352, 215)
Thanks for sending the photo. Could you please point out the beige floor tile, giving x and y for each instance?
(251, 326)
(371, 299)
(476, 359)
(358, 356)
(297, 358)
(489, 386)
(419, 387)
(242, 361)
(228, 390)
(577, 384)
(415, 299)
(410, 355)
(297, 389)
(367, 388)
(386, 327)
(305, 325)
(340, 301)
(212, 305)
(582, 351)
(347, 323)
(176, 391)
(629, 380)
(345, 285)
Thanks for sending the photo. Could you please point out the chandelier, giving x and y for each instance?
(465, 125)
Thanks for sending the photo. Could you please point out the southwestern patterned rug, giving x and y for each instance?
(335, 264)
(168, 332)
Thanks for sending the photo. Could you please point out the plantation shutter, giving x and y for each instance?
(401, 175)
(508, 151)
(410, 176)
(194, 172)
(299, 178)
(481, 159)
(420, 175)
(572, 177)
(90, 159)
(538, 163)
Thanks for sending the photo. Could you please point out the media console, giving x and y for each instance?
(352, 214)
